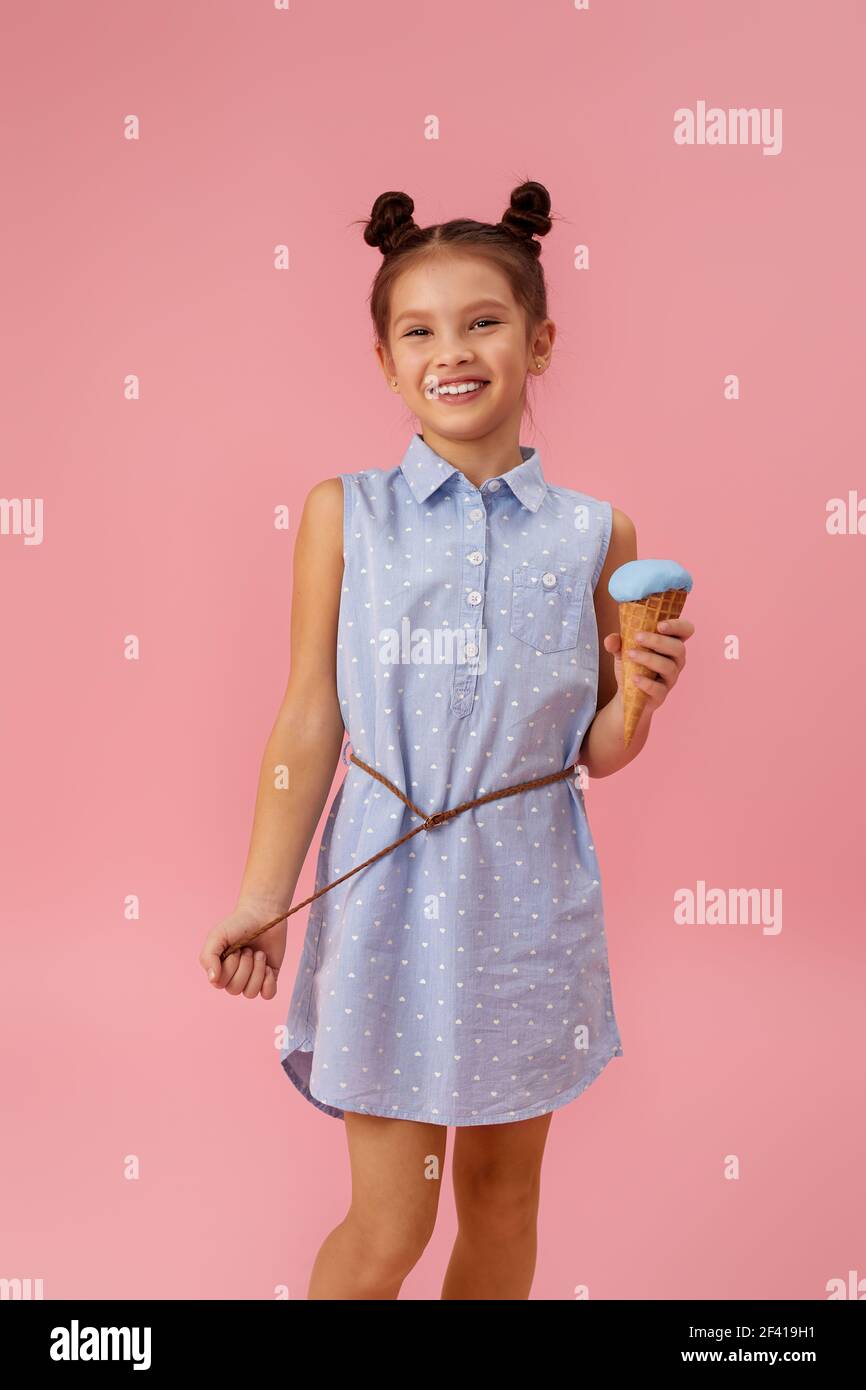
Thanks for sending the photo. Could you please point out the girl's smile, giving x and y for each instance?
(454, 390)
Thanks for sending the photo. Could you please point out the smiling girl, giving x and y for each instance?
(458, 977)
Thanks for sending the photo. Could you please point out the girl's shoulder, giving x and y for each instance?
(323, 510)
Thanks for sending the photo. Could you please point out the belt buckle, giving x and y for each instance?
(347, 744)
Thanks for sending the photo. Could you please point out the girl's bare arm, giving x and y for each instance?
(301, 754)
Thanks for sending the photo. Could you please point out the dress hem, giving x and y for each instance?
(531, 1113)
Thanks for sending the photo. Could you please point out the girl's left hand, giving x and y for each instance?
(663, 651)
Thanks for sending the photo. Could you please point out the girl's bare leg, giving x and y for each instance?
(396, 1179)
(497, 1181)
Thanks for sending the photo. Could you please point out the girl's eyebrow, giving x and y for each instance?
(469, 309)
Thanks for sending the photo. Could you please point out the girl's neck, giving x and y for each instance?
(476, 459)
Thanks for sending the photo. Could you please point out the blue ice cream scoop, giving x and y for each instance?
(638, 579)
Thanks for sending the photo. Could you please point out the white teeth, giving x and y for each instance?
(462, 389)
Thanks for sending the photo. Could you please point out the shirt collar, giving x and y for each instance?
(425, 471)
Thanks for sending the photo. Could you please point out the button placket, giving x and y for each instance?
(472, 610)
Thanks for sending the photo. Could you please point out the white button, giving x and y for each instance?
(475, 557)
(548, 580)
(471, 650)
(494, 485)
(476, 514)
(473, 597)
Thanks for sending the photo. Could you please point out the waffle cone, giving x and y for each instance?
(643, 615)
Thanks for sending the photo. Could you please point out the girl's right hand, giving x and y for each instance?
(255, 969)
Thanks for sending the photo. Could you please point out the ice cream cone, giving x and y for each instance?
(642, 615)
(648, 592)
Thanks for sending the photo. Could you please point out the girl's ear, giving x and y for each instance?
(388, 369)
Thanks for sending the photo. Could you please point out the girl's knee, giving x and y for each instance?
(498, 1206)
(390, 1245)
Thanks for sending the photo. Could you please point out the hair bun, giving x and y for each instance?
(390, 221)
(528, 213)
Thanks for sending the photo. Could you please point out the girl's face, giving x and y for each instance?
(454, 317)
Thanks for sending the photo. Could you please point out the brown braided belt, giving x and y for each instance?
(428, 823)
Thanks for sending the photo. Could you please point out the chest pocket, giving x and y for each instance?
(547, 606)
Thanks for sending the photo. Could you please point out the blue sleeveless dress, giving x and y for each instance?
(463, 978)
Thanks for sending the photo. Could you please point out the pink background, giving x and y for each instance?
(155, 257)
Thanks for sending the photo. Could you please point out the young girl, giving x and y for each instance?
(445, 615)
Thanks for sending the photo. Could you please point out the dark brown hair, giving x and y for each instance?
(509, 243)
